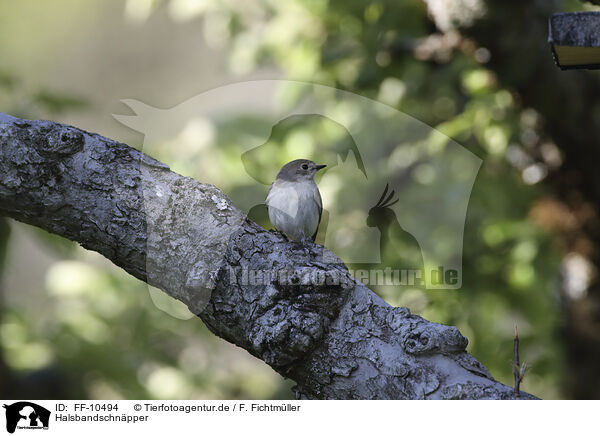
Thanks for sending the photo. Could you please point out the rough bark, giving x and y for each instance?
(333, 336)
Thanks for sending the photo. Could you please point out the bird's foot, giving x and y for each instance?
(280, 233)
(306, 242)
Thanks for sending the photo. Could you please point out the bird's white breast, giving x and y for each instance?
(294, 207)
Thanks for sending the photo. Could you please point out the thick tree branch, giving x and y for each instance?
(333, 336)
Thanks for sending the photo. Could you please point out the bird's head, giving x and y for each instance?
(299, 170)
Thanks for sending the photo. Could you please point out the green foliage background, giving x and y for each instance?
(101, 334)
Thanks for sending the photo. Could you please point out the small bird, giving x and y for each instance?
(294, 201)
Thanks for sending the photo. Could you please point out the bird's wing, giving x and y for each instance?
(317, 199)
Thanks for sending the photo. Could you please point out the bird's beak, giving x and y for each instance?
(319, 167)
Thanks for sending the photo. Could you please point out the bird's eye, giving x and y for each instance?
(304, 166)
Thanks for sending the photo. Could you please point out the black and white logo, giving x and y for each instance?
(24, 415)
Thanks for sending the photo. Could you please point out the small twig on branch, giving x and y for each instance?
(516, 364)
(518, 369)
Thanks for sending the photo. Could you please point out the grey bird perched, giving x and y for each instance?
(294, 201)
